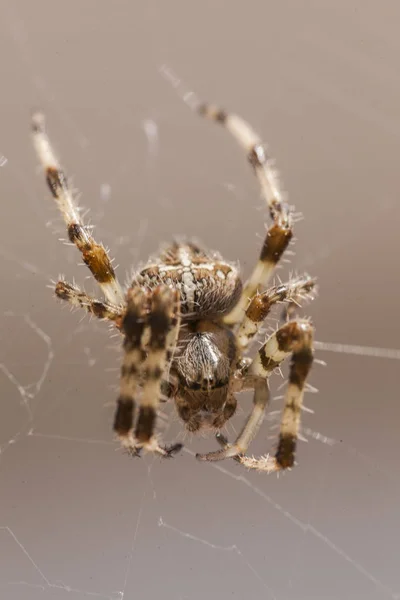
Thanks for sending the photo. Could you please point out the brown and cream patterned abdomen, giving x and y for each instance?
(209, 286)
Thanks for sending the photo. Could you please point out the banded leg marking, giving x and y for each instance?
(260, 305)
(133, 328)
(94, 255)
(75, 297)
(296, 337)
(280, 232)
(163, 322)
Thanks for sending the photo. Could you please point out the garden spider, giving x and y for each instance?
(187, 322)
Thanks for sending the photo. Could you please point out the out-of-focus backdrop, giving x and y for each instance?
(320, 81)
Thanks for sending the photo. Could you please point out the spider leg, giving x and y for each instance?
(75, 297)
(296, 337)
(269, 357)
(163, 321)
(260, 305)
(133, 328)
(280, 232)
(150, 327)
(94, 255)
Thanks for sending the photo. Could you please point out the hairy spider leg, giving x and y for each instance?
(94, 255)
(280, 232)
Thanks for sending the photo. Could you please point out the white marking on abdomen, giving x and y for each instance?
(188, 283)
(189, 287)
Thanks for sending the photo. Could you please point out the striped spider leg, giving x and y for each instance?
(98, 308)
(252, 309)
(94, 255)
(143, 365)
(295, 337)
(150, 327)
(290, 293)
(280, 232)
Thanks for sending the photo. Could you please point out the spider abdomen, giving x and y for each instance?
(209, 287)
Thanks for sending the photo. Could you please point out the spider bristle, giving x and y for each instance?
(311, 389)
(38, 121)
(320, 362)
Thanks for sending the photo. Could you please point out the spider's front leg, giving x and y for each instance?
(280, 233)
(150, 326)
(94, 255)
(295, 338)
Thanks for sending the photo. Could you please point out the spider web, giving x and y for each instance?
(77, 518)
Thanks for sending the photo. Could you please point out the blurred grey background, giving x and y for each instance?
(320, 81)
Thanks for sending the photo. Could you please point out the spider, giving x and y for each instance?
(188, 322)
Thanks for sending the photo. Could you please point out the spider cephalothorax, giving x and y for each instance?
(188, 323)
